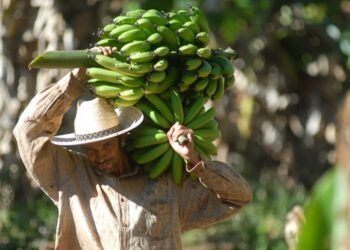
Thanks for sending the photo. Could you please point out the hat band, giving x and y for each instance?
(99, 134)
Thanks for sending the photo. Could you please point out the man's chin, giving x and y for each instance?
(105, 168)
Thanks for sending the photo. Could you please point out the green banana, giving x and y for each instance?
(109, 42)
(208, 134)
(193, 63)
(141, 57)
(201, 119)
(211, 124)
(130, 81)
(161, 51)
(131, 94)
(193, 26)
(142, 157)
(188, 77)
(183, 88)
(107, 90)
(174, 24)
(162, 107)
(200, 84)
(216, 70)
(225, 64)
(165, 95)
(149, 140)
(155, 17)
(207, 146)
(194, 109)
(188, 50)
(128, 69)
(106, 30)
(135, 46)
(201, 152)
(154, 38)
(184, 14)
(145, 24)
(132, 35)
(103, 74)
(119, 102)
(156, 76)
(204, 70)
(176, 168)
(141, 68)
(170, 79)
(155, 116)
(162, 165)
(145, 130)
(176, 105)
(198, 17)
(211, 87)
(135, 13)
(203, 38)
(124, 20)
(169, 37)
(220, 89)
(229, 81)
(161, 65)
(116, 65)
(106, 61)
(120, 29)
(178, 17)
(186, 34)
(204, 52)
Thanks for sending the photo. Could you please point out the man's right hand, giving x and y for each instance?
(79, 73)
(105, 50)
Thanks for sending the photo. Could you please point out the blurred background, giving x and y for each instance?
(278, 121)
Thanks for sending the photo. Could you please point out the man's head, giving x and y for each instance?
(105, 155)
(99, 128)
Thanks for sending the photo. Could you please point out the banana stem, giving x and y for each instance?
(182, 139)
(64, 59)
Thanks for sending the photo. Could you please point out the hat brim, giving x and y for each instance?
(129, 119)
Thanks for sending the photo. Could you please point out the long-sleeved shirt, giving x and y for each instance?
(128, 212)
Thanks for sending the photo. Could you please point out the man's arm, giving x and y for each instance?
(222, 193)
(38, 123)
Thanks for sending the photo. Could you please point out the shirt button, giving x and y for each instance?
(122, 199)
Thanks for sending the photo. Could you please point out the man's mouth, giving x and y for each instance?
(103, 164)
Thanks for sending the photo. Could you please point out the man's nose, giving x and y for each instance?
(101, 155)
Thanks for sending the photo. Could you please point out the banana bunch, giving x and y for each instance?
(157, 51)
(149, 144)
(164, 67)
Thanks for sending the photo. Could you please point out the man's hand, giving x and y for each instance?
(186, 150)
(79, 73)
(106, 50)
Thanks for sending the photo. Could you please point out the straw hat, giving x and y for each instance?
(97, 120)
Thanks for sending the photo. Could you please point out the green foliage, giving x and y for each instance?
(325, 226)
(29, 224)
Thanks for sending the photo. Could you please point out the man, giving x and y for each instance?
(104, 200)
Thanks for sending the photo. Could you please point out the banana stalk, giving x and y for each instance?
(64, 59)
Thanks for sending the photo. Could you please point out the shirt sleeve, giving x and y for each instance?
(220, 193)
(38, 123)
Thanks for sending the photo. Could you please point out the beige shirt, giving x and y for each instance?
(129, 212)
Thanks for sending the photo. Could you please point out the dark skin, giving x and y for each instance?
(109, 156)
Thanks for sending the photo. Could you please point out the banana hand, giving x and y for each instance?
(186, 150)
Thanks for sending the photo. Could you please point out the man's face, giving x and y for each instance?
(104, 154)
